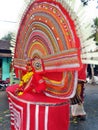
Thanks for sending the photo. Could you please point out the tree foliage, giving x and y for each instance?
(8, 37)
(96, 27)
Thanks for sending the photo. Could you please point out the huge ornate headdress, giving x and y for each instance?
(55, 34)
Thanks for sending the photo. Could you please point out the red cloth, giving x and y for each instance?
(38, 83)
(36, 97)
(37, 112)
(82, 73)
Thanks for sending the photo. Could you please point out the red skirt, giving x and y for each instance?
(37, 112)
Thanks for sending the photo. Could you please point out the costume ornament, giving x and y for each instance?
(31, 81)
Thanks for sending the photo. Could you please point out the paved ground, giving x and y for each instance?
(4, 112)
(91, 107)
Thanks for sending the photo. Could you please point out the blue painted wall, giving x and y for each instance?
(6, 68)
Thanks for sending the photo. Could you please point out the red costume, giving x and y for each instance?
(47, 35)
(82, 73)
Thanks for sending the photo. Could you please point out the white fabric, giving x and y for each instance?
(36, 117)
(77, 110)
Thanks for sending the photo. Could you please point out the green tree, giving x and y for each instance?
(8, 37)
(96, 27)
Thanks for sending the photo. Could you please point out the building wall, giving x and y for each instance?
(6, 68)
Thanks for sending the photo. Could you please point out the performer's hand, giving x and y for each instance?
(18, 91)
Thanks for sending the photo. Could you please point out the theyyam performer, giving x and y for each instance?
(52, 44)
